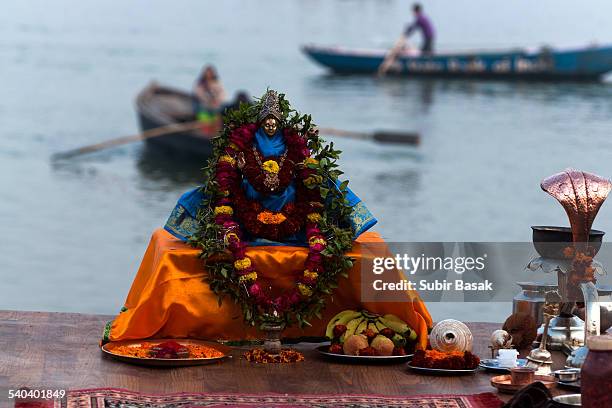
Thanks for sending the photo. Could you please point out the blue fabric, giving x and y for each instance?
(270, 146)
(182, 222)
(273, 202)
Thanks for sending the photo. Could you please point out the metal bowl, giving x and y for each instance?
(567, 375)
(569, 400)
(550, 242)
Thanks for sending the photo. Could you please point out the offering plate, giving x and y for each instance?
(345, 358)
(110, 349)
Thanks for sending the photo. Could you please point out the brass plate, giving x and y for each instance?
(107, 349)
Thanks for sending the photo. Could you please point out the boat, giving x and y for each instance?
(158, 105)
(578, 64)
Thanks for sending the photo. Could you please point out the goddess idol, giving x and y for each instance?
(277, 231)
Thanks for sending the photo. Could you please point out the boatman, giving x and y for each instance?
(423, 24)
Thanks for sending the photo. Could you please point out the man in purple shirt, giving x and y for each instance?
(423, 24)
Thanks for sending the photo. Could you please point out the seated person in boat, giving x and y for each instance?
(271, 182)
(208, 93)
(422, 24)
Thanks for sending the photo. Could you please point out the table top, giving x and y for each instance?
(60, 350)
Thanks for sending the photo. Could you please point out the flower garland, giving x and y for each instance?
(259, 222)
(270, 174)
(229, 217)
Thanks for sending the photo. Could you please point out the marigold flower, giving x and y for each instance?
(224, 210)
(248, 277)
(242, 264)
(316, 240)
(268, 217)
(270, 166)
(310, 160)
(228, 159)
(231, 236)
(305, 290)
(310, 275)
(314, 217)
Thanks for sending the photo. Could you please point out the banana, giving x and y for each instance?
(379, 325)
(412, 336)
(341, 318)
(400, 327)
(396, 326)
(351, 327)
(399, 340)
(362, 326)
(348, 317)
(369, 315)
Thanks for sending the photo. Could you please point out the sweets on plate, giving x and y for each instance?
(453, 360)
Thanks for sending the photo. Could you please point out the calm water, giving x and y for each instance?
(74, 234)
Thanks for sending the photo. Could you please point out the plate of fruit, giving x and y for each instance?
(366, 337)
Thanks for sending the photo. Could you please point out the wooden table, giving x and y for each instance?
(60, 350)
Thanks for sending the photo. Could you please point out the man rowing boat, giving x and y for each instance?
(420, 23)
(423, 24)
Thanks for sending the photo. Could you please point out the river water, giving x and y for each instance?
(74, 233)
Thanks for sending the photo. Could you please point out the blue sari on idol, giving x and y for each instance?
(182, 222)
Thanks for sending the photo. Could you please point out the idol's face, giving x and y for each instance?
(270, 125)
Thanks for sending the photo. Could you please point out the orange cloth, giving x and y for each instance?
(170, 298)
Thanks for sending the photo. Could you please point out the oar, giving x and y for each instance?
(391, 55)
(381, 136)
(147, 134)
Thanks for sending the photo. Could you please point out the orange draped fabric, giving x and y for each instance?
(170, 298)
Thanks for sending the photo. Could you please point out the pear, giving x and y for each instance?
(383, 345)
(354, 343)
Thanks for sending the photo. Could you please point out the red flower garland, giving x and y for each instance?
(256, 176)
(262, 223)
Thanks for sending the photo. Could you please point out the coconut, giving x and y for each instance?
(383, 345)
(354, 343)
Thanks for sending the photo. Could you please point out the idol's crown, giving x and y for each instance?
(270, 106)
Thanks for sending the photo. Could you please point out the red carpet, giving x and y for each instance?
(118, 398)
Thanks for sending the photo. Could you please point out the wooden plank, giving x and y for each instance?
(60, 350)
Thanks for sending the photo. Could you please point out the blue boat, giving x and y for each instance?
(580, 64)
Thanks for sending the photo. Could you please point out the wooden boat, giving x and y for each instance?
(157, 106)
(588, 63)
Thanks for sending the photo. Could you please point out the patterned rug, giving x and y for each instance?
(118, 398)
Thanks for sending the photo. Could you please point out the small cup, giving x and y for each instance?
(522, 375)
(568, 375)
